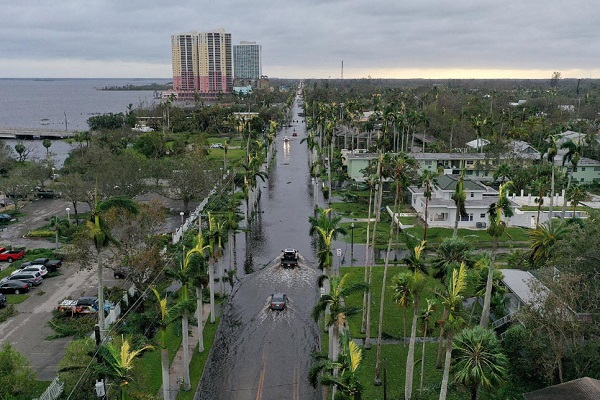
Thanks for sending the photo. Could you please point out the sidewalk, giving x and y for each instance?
(176, 368)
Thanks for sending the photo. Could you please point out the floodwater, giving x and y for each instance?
(260, 353)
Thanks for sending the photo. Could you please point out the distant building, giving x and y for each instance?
(202, 64)
(247, 63)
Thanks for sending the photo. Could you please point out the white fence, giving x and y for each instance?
(54, 390)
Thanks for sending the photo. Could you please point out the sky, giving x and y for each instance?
(307, 38)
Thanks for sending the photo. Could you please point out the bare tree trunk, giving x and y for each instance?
(199, 307)
(410, 358)
(485, 314)
(164, 362)
(211, 286)
(363, 327)
(446, 374)
(186, 350)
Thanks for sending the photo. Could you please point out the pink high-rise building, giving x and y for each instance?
(202, 64)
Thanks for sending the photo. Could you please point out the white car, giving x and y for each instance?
(33, 268)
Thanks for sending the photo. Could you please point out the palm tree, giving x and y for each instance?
(540, 189)
(502, 173)
(452, 301)
(496, 229)
(372, 181)
(215, 236)
(576, 194)
(119, 360)
(186, 275)
(167, 316)
(573, 155)
(479, 360)
(335, 309)
(346, 381)
(98, 231)
(410, 285)
(426, 317)
(460, 199)
(402, 169)
(542, 241)
(551, 154)
(58, 224)
(326, 227)
(428, 179)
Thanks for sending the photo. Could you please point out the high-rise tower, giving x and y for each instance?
(202, 64)
(247, 62)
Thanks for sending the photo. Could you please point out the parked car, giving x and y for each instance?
(5, 217)
(11, 255)
(2, 300)
(33, 268)
(35, 278)
(51, 265)
(216, 146)
(278, 301)
(14, 286)
(44, 193)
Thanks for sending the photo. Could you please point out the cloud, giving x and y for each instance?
(305, 37)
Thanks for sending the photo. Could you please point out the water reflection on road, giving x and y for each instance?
(260, 353)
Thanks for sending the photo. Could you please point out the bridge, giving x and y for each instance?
(40, 133)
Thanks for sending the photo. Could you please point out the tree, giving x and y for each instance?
(572, 156)
(496, 229)
(327, 229)
(191, 181)
(540, 188)
(459, 197)
(185, 274)
(167, 315)
(427, 179)
(78, 356)
(15, 374)
(332, 304)
(22, 151)
(452, 301)
(552, 150)
(346, 381)
(410, 285)
(426, 318)
(75, 190)
(576, 193)
(118, 358)
(542, 241)
(97, 230)
(47, 143)
(215, 237)
(479, 361)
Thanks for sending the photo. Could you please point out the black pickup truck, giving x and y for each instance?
(51, 265)
(289, 258)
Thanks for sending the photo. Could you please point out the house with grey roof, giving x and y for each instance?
(442, 210)
(578, 389)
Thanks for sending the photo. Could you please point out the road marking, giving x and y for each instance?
(261, 379)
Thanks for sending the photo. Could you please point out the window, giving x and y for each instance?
(468, 217)
(582, 169)
(472, 194)
(596, 168)
(481, 215)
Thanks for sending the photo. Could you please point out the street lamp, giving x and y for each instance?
(352, 244)
(181, 214)
(68, 215)
(53, 173)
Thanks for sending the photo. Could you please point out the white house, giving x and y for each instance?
(442, 210)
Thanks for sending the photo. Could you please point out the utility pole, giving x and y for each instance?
(342, 69)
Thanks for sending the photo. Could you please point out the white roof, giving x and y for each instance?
(519, 282)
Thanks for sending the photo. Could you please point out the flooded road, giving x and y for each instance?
(260, 353)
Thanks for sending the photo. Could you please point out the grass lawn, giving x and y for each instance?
(199, 360)
(148, 378)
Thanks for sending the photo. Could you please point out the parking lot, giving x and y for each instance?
(28, 330)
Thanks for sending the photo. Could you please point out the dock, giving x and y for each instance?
(29, 134)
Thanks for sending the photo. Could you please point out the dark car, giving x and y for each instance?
(5, 217)
(14, 286)
(278, 301)
(51, 265)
